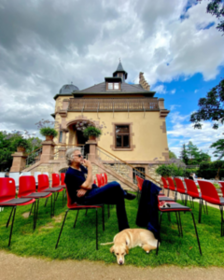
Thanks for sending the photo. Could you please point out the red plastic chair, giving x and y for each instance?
(181, 189)
(165, 185)
(99, 180)
(177, 209)
(27, 188)
(7, 199)
(105, 177)
(209, 194)
(221, 183)
(75, 206)
(193, 192)
(161, 197)
(172, 187)
(43, 185)
(63, 179)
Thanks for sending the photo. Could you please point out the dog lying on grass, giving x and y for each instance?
(130, 238)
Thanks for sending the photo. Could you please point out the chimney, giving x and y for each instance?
(143, 82)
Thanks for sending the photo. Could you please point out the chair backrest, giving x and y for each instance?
(221, 183)
(36, 176)
(165, 185)
(69, 201)
(171, 183)
(55, 180)
(208, 192)
(192, 189)
(63, 179)
(43, 182)
(7, 189)
(46, 173)
(15, 176)
(2, 174)
(180, 185)
(139, 182)
(105, 177)
(99, 180)
(27, 185)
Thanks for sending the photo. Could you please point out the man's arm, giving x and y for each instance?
(87, 185)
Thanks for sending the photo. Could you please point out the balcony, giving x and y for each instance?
(113, 105)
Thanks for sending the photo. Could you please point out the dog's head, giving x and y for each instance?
(119, 250)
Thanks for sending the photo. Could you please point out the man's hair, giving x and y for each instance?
(69, 154)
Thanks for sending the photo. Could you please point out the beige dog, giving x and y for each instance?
(130, 238)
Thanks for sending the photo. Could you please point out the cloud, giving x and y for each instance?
(182, 132)
(160, 89)
(46, 44)
(173, 91)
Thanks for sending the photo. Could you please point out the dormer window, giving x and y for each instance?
(113, 83)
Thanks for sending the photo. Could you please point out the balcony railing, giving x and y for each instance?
(112, 104)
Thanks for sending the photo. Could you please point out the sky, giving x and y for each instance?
(46, 44)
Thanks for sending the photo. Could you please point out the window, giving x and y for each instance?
(113, 86)
(122, 136)
(60, 136)
(116, 85)
(110, 86)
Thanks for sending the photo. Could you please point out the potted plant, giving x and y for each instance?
(21, 144)
(48, 132)
(92, 132)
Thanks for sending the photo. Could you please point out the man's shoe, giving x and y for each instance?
(130, 196)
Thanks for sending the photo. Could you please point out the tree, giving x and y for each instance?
(211, 107)
(219, 148)
(184, 155)
(216, 7)
(172, 155)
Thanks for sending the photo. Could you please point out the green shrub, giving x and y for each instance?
(48, 131)
(21, 142)
(210, 170)
(170, 170)
(91, 131)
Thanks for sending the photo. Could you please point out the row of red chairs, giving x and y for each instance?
(28, 194)
(208, 193)
(168, 205)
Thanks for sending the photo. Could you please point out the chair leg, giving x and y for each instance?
(34, 215)
(200, 210)
(178, 226)
(159, 238)
(46, 202)
(169, 218)
(199, 246)
(7, 224)
(37, 208)
(76, 218)
(181, 229)
(57, 196)
(221, 212)
(10, 236)
(61, 229)
(96, 229)
(31, 210)
(206, 207)
(86, 212)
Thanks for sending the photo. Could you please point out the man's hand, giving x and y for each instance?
(87, 163)
(81, 192)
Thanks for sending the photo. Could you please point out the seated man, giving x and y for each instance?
(82, 191)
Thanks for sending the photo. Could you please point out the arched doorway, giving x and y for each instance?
(80, 138)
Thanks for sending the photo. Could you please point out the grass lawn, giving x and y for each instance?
(79, 243)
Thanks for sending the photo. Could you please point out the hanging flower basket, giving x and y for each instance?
(21, 149)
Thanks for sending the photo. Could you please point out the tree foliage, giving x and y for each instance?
(210, 107)
(172, 154)
(216, 8)
(219, 148)
(191, 155)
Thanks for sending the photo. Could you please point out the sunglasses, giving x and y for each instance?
(79, 155)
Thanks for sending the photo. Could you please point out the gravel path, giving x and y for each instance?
(21, 268)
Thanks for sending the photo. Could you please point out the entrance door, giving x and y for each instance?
(81, 140)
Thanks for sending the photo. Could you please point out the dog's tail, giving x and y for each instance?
(108, 243)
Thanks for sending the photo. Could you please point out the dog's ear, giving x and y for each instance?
(127, 250)
(112, 249)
